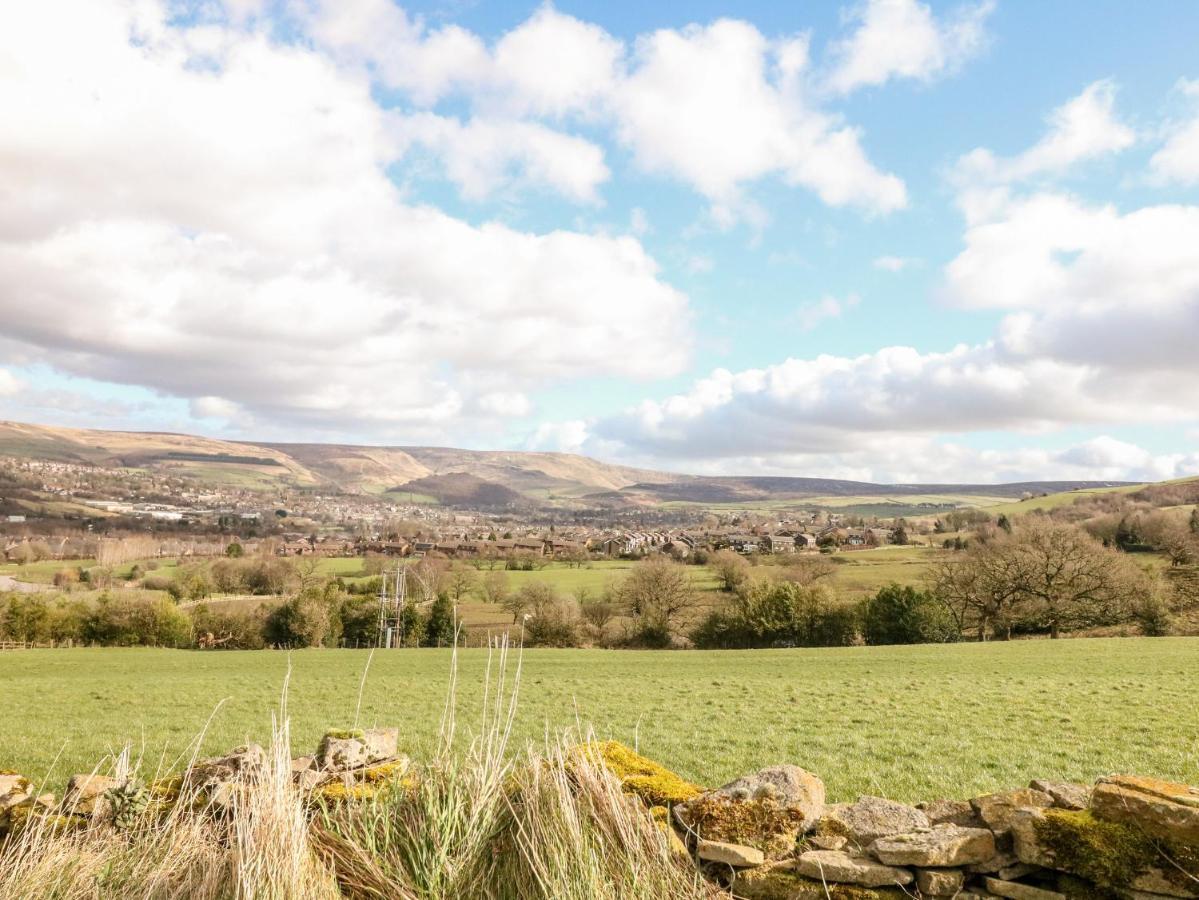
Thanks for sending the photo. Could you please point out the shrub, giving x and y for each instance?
(303, 621)
(359, 616)
(229, 576)
(553, 624)
(439, 626)
(98, 577)
(1153, 616)
(125, 620)
(904, 615)
(65, 579)
(271, 575)
(230, 629)
(780, 614)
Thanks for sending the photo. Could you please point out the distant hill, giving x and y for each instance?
(477, 478)
(733, 489)
(463, 490)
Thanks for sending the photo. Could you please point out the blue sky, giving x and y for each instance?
(884, 239)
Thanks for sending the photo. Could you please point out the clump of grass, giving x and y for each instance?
(179, 847)
(477, 820)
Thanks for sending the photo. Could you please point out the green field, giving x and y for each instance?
(907, 722)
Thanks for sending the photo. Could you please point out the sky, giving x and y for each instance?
(883, 240)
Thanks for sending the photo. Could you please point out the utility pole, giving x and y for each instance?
(391, 609)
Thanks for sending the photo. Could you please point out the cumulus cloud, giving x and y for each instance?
(1100, 312)
(1177, 161)
(903, 39)
(1084, 128)
(10, 385)
(207, 214)
(1089, 285)
(811, 314)
(721, 106)
(828, 403)
(485, 156)
(893, 263)
(903, 458)
(1102, 309)
(716, 107)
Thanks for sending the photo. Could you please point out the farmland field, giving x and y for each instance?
(911, 722)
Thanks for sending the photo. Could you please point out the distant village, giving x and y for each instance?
(77, 504)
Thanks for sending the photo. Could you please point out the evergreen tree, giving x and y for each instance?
(1127, 534)
(439, 626)
(1004, 522)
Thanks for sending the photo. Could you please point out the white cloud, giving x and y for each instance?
(829, 403)
(400, 51)
(716, 107)
(555, 65)
(903, 39)
(485, 156)
(721, 106)
(559, 437)
(207, 214)
(1088, 285)
(902, 458)
(1082, 129)
(639, 222)
(893, 263)
(811, 314)
(10, 385)
(214, 408)
(1178, 159)
(1102, 309)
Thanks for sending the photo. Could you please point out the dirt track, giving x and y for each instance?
(8, 583)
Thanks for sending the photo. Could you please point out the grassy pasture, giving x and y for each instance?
(1056, 501)
(858, 573)
(907, 722)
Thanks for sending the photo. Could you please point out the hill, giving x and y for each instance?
(484, 478)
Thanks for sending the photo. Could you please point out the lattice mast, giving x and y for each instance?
(391, 608)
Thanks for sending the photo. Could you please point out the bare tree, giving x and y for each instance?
(1171, 534)
(807, 570)
(980, 589)
(656, 592)
(532, 597)
(1053, 574)
(1071, 579)
(494, 588)
(730, 568)
(428, 575)
(459, 581)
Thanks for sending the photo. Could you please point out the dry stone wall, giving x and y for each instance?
(771, 835)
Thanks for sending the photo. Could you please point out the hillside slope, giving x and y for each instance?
(463, 477)
(205, 458)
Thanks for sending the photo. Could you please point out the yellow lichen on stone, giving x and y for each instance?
(781, 882)
(339, 792)
(1110, 853)
(166, 789)
(388, 771)
(345, 734)
(655, 784)
(762, 823)
(24, 817)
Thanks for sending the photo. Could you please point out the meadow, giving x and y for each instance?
(911, 722)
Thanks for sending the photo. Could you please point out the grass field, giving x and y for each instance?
(907, 722)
